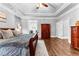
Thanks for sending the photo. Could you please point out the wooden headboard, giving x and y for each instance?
(7, 28)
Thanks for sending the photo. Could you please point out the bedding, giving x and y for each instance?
(7, 34)
(17, 46)
(13, 49)
(24, 38)
(16, 33)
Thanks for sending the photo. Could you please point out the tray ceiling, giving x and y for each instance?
(53, 9)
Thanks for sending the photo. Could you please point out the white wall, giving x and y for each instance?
(25, 26)
(64, 23)
(48, 21)
(33, 25)
(10, 21)
(59, 29)
(28, 25)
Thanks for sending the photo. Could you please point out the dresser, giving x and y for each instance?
(45, 31)
(75, 37)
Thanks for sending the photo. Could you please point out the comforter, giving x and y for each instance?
(17, 46)
(13, 49)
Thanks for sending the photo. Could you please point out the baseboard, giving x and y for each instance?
(53, 36)
(60, 38)
(69, 41)
(63, 37)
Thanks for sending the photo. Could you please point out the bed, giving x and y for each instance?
(22, 45)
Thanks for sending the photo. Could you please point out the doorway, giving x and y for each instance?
(45, 31)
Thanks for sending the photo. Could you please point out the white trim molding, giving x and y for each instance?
(77, 6)
(49, 14)
(63, 7)
(53, 36)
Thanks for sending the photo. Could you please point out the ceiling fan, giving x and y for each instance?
(41, 5)
(44, 4)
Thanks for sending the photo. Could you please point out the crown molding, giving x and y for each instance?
(77, 6)
(62, 7)
(8, 9)
(49, 14)
(32, 17)
(46, 15)
(40, 15)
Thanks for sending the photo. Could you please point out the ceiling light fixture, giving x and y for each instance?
(41, 5)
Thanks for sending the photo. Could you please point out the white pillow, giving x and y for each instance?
(16, 33)
(7, 34)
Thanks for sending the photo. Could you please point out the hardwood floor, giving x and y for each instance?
(60, 47)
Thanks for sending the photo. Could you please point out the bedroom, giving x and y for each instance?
(23, 26)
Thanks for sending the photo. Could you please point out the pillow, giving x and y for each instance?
(7, 34)
(1, 37)
(16, 33)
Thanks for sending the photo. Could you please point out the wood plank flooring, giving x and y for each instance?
(60, 47)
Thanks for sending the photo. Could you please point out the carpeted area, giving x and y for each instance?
(41, 49)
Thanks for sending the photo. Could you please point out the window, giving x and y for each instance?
(32, 25)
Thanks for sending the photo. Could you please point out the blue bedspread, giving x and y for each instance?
(13, 48)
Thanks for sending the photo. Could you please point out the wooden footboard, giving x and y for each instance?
(33, 44)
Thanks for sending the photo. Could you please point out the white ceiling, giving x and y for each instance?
(29, 9)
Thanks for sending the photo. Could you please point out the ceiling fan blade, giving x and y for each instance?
(44, 4)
